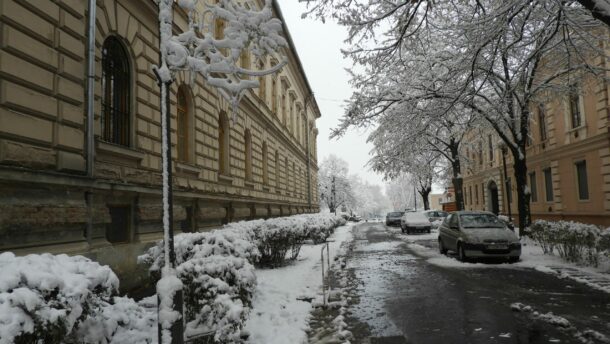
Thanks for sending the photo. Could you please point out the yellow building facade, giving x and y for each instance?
(56, 195)
(568, 160)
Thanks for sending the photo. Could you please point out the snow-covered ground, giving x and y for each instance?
(279, 313)
(531, 257)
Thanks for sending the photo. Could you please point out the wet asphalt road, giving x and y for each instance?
(399, 297)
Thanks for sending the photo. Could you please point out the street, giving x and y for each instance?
(397, 296)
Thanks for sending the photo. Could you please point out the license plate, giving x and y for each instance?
(497, 247)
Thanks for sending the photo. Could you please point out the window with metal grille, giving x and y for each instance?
(182, 130)
(490, 143)
(581, 176)
(548, 184)
(274, 95)
(265, 162)
(248, 151)
(223, 144)
(262, 80)
(277, 169)
(533, 187)
(542, 123)
(575, 110)
(116, 91)
(476, 193)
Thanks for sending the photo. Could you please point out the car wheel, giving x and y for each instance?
(441, 247)
(513, 259)
(461, 254)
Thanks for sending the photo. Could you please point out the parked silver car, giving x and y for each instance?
(478, 234)
(435, 215)
(415, 222)
(393, 218)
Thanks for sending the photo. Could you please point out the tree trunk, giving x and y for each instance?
(457, 174)
(331, 207)
(523, 194)
(424, 195)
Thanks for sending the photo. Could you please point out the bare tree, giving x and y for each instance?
(334, 184)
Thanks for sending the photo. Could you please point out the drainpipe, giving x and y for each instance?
(90, 112)
(91, 88)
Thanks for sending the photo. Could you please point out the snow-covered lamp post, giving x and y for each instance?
(198, 52)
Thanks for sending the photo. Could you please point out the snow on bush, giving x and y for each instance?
(281, 238)
(218, 277)
(573, 241)
(121, 320)
(217, 268)
(47, 297)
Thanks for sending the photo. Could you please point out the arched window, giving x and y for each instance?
(223, 144)
(274, 95)
(265, 163)
(116, 91)
(286, 176)
(248, 153)
(283, 100)
(183, 125)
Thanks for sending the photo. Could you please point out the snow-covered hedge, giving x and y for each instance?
(281, 238)
(573, 241)
(121, 320)
(218, 276)
(217, 268)
(47, 298)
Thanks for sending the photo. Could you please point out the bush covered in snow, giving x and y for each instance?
(46, 298)
(281, 238)
(121, 320)
(217, 268)
(573, 241)
(218, 276)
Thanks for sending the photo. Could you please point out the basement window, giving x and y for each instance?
(120, 223)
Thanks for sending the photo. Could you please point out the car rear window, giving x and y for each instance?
(480, 221)
(416, 217)
(395, 214)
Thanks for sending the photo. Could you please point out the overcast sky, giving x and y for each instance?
(318, 45)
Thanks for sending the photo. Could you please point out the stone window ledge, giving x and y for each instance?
(187, 168)
(249, 184)
(119, 151)
(223, 178)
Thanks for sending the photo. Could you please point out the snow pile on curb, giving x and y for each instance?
(48, 297)
(587, 336)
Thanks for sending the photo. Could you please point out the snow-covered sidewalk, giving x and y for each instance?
(279, 313)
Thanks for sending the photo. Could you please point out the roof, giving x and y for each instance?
(312, 98)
